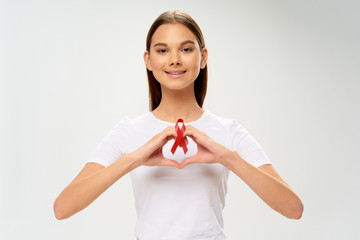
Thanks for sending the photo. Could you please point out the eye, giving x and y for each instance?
(187, 50)
(162, 50)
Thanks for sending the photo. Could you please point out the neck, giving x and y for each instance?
(177, 104)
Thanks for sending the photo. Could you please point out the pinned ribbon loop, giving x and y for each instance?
(180, 139)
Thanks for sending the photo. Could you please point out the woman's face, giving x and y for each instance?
(175, 57)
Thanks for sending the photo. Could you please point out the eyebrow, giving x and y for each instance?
(181, 44)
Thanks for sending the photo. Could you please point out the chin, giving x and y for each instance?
(178, 85)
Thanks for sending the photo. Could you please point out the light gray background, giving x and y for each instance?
(288, 71)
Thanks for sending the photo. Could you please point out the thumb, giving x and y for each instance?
(170, 163)
(187, 161)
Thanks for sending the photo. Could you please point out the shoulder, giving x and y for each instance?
(228, 126)
(131, 121)
(143, 124)
(222, 121)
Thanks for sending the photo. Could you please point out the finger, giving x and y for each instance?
(169, 133)
(198, 139)
(186, 142)
(158, 141)
(170, 163)
(191, 131)
(187, 161)
(194, 129)
(164, 136)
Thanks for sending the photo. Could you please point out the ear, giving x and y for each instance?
(147, 60)
(204, 57)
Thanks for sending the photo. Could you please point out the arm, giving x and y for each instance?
(264, 181)
(268, 185)
(94, 178)
(90, 183)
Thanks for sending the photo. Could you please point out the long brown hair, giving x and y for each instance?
(200, 85)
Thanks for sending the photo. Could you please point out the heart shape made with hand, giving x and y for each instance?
(180, 139)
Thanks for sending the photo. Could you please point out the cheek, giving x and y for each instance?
(193, 61)
(157, 63)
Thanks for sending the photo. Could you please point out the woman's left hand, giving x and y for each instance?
(209, 151)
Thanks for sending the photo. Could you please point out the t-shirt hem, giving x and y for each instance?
(101, 162)
(259, 164)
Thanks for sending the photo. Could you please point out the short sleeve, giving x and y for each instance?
(247, 147)
(111, 147)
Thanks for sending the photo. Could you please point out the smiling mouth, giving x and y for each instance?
(175, 72)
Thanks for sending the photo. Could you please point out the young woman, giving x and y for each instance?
(180, 195)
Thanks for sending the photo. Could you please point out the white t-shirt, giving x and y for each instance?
(175, 204)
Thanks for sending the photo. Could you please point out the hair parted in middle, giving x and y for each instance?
(200, 85)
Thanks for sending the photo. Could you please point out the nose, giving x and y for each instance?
(175, 60)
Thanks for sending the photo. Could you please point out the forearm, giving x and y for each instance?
(79, 194)
(272, 191)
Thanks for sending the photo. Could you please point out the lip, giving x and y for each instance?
(175, 73)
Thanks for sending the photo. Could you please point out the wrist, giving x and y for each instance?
(231, 159)
(131, 160)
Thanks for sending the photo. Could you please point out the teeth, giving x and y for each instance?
(176, 73)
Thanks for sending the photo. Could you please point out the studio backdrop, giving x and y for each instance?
(288, 71)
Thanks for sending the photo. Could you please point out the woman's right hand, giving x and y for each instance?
(150, 154)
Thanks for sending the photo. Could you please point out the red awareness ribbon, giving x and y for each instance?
(180, 139)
